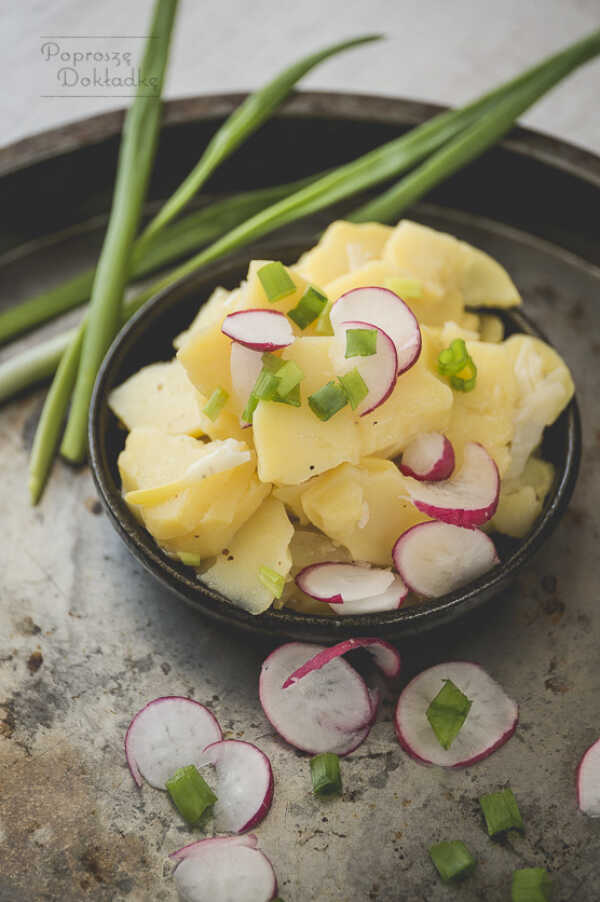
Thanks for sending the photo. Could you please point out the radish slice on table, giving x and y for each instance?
(491, 720)
(429, 457)
(328, 711)
(378, 371)
(245, 367)
(385, 655)
(435, 558)
(168, 733)
(389, 600)
(386, 311)
(469, 498)
(260, 330)
(588, 781)
(244, 787)
(224, 869)
(336, 583)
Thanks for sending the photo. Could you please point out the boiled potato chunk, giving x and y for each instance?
(290, 495)
(484, 282)
(263, 541)
(219, 303)
(344, 246)
(521, 500)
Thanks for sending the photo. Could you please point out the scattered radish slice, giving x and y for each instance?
(330, 711)
(386, 311)
(469, 498)
(429, 457)
(490, 722)
(588, 781)
(435, 558)
(336, 583)
(224, 869)
(385, 655)
(389, 600)
(245, 367)
(244, 787)
(378, 371)
(166, 734)
(260, 330)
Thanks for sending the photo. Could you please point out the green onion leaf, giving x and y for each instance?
(453, 358)
(325, 773)
(355, 387)
(190, 793)
(215, 404)
(276, 281)
(310, 306)
(292, 398)
(327, 401)
(361, 342)
(531, 885)
(452, 860)
(447, 713)
(251, 405)
(272, 580)
(404, 287)
(323, 325)
(501, 812)
(189, 558)
(265, 388)
(272, 363)
(289, 376)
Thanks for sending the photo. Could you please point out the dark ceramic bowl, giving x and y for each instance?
(148, 337)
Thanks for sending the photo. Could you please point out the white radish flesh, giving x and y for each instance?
(244, 786)
(389, 600)
(385, 656)
(199, 846)
(168, 733)
(378, 371)
(224, 870)
(588, 781)
(436, 558)
(260, 330)
(245, 367)
(429, 457)
(338, 583)
(490, 722)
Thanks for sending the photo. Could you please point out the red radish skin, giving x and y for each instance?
(259, 329)
(224, 869)
(428, 458)
(385, 655)
(244, 787)
(390, 600)
(248, 841)
(387, 312)
(588, 781)
(378, 371)
(469, 498)
(168, 733)
(490, 723)
(436, 558)
(336, 583)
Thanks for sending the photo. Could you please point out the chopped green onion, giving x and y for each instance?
(453, 358)
(325, 773)
(251, 405)
(447, 713)
(405, 288)
(465, 380)
(189, 558)
(531, 885)
(355, 387)
(292, 398)
(272, 580)
(289, 376)
(272, 363)
(327, 401)
(265, 388)
(190, 793)
(276, 281)
(361, 342)
(323, 325)
(310, 306)
(501, 812)
(452, 860)
(215, 404)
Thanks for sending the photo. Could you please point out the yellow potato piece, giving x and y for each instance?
(263, 541)
(517, 512)
(290, 496)
(484, 282)
(344, 246)
(219, 304)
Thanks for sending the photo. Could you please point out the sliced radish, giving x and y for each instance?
(588, 781)
(469, 498)
(429, 457)
(245, 367)
(490, 722)
(168, 733)
(244, 787)
(329, 711)
(336, 583)
(260, 330)
(388, 312)
(435, 558)
(379, 371)
(385, 655)
(389, 600)
(224, 869)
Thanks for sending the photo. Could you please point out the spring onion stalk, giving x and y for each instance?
(531, 885)
(501, 811)
(276, 281)
(138, 146)
(355, 387)
(190, 793)
(272, 580)
(361, 342)
(323, 324)
(309, 307)
(289, 376)
(452, 860)
(326, 402)
(215, 403)
(325, 774)
(447, 713)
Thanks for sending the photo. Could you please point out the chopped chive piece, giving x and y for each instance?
(453, 358)
(405, 288)
(501, 812)
(272, 363)
(327, 401)
(292, 398)
(276, 281)
(271, 580)
(215, 403)
(251, 406)
(190, 793)
(355, 387)
(531, 885)
(310, 306)
(452, 860)
(466, 378)
(265, 387)
(289, 377)
(325, 773)
(447, 713)
(323, 325)
(189, 558)
(361, 342)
